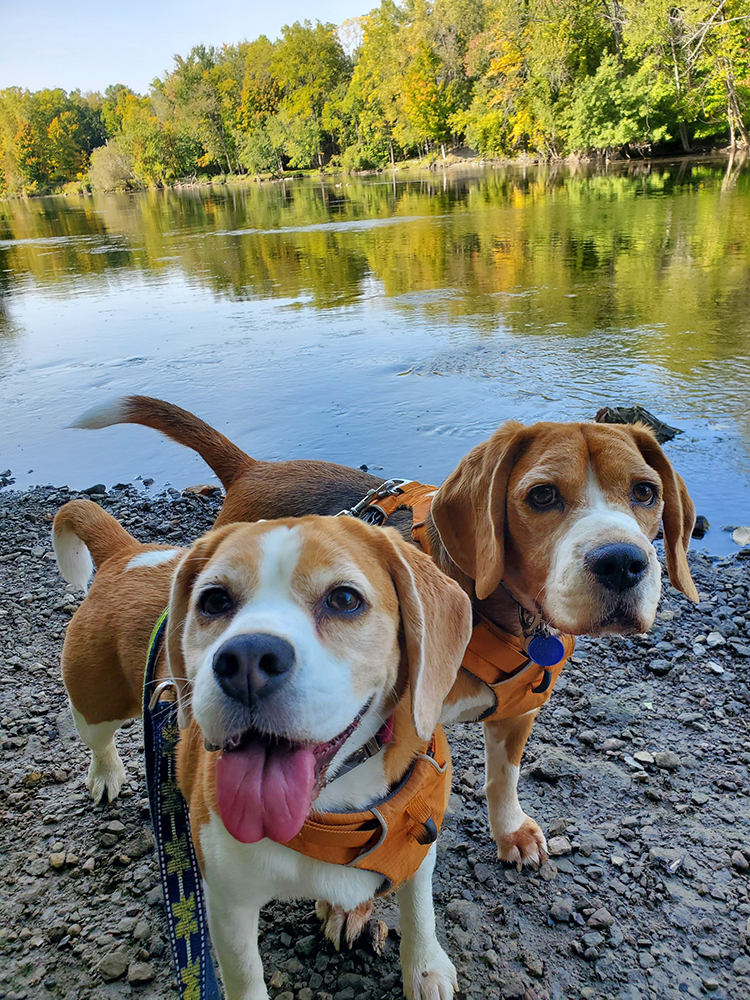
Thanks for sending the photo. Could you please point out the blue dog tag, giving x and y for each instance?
(546, 650)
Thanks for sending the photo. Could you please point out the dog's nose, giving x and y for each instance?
(252, 666)
(617, 567)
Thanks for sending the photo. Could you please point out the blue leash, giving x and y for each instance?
(178, 866)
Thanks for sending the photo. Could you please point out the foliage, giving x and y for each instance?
(540, 77)
(111, 167)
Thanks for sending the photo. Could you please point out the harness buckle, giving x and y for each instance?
(367, 509)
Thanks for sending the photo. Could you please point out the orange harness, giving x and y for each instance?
(393, 837)
(497, 658)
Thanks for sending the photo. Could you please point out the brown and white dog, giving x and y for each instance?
(554, 518)
(290, 642)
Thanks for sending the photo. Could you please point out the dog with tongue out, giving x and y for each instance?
(311, 658)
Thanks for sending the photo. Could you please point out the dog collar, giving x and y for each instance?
(520, 673)
(371, 749)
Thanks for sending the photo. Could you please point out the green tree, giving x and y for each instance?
(430, 100)
(311, 69)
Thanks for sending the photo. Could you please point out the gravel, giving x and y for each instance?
(638, 767)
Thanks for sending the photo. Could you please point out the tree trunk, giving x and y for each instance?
(737, 126)
(442, 149)
(684, 138)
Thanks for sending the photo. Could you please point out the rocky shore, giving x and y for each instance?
(638, 769)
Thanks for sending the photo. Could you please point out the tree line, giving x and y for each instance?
(545, 78)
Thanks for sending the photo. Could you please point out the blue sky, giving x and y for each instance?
(46, 43)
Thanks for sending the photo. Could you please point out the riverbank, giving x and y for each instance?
(638, 770)
(462, 160)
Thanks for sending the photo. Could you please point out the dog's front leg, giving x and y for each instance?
(234, 934)
(519, 838)
(428, 972)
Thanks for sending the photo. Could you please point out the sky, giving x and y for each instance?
(87, 46)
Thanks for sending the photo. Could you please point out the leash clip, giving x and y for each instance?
(156, 694)
(367, 510)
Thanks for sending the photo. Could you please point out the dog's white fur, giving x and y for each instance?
(270, 571)
(571, 592)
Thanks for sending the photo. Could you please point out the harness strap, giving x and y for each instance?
(181, 878)
(393, 837)
(496, 658)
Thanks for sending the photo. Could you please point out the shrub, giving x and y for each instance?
(111, 168)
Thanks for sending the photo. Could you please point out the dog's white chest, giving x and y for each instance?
(235, 872)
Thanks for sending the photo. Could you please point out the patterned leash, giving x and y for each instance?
(178, 866)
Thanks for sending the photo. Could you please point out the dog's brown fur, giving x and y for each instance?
(483, 533)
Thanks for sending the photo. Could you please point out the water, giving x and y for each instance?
(392, 323)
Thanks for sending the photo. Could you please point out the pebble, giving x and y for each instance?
(557, 846)
(562, 909)
(593, 939)
(114, 964)
(465, 913)
(715, 639)
(708, 949)
(141, 972)
(614, 883)
(659, 667)
(601, 918)
(740, 862)
(667, 760)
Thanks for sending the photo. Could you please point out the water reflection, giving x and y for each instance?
(562, 283)
(656, 247)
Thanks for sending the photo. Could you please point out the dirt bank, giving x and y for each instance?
(638, 771)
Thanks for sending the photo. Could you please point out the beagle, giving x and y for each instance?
(290, 644)
(552, 522)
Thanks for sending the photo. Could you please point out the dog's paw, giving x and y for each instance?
(523, 846)
(344, 927)
(431, 976)
(106, 775)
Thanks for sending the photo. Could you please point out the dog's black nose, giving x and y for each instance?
(252, 666)
(617, 567)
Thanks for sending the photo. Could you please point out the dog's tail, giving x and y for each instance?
(225, 458)
(83, 537)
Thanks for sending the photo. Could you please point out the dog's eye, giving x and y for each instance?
(215, 602)
(644, 493)
(544, 497)
(344, 599)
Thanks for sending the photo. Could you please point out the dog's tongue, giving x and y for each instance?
(265, 791)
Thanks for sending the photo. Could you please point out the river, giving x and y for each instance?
(391, 321)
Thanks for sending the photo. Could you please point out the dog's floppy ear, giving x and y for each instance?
(436, 616)
(188, 569)
(469, 509)
(678, 516)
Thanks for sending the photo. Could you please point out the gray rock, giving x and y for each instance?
(140, 972)
(557, 846)
(114, 964)
(593, 939)
(659, 667)
(708, 949)
(740, 862)
(465, 913)
(667, 760)
(562, 909)
(601, 918)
